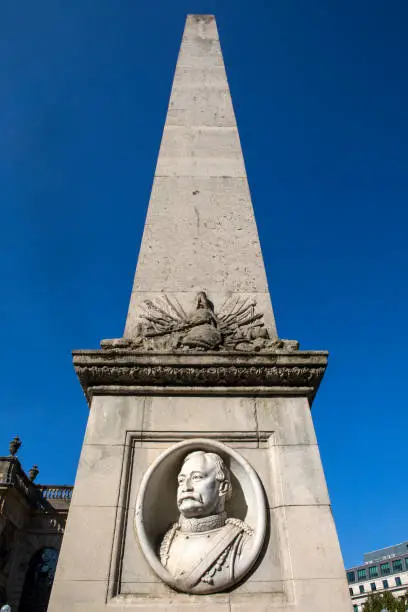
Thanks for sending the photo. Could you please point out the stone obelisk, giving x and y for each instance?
(200, 485)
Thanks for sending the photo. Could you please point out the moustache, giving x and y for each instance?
(186, 496)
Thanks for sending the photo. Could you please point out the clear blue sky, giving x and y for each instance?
(321, 96)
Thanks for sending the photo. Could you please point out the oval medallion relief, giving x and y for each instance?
(201, 516)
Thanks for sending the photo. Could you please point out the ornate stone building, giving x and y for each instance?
(32, 522)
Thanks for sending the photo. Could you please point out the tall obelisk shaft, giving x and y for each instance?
(200, 232)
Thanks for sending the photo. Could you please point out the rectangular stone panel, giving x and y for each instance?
(261, 602)
(86, 548)
(193, 107)
(173, 601)
(142, 458)
(312, 541)
(288, 417)
(111, 416)
(195, 77)
(203, 151)
(201, 116)
(78, 593)
(186, 225)
(298, 476)
(199, 414)
(98, 477)
(188, 57)
(135, 570)
(259, 459)
(321, 595)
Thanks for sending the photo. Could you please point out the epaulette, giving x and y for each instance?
(238, 523)
(166, 543)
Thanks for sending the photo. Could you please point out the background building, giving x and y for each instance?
(385, 569)
(32, 522)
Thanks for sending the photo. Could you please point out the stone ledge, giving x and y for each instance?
(121, 370)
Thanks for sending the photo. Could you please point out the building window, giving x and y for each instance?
(373, 586)
(385, 569)
(361, 588)
(398, 581)
(355, 608)
(373, 571)
(361, 574)
(397, 565)
(385, 584)
(351, 591)
(351, 577)
(38, 580)
(406, 563)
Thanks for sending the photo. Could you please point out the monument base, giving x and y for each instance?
(102, 564)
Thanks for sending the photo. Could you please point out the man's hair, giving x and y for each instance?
(221, 471)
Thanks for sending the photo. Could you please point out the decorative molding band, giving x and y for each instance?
(258, 438)
(96, 369)
(260, 391)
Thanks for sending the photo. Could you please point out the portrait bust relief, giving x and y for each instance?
(208, 548)
(204, 545)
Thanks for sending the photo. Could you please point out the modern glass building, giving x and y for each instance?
(383, 569)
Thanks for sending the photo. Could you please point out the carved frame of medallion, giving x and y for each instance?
(262, 440)
(248, 479)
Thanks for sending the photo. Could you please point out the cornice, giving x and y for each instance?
(279, 372)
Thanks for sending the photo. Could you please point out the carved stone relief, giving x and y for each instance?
(209, 518)
(164, 325)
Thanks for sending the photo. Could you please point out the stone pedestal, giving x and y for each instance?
(257, 405)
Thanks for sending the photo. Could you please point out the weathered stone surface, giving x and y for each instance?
(288, 417)
(199, 414)
(312, 541)
(86, 551)
(99, 471)
(322, 594)
(111, 416)
(260, 460)
(300, 479)
(191, 242)
(74, 594)
(264, 601)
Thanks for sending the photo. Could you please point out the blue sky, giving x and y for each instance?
(320, 93)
